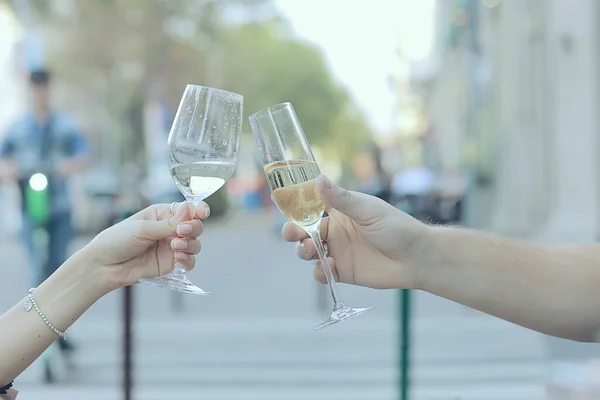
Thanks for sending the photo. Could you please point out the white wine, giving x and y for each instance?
(293, 190)
(199, 180)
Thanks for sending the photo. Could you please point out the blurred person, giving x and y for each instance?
(44, 141)
(550, 289)
(142, 246)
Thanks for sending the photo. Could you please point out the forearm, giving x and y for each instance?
(8, 170)
(62, 298)
(554, 290)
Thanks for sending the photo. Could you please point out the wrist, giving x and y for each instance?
(109, 277)
(433, 255)
(92, 271)
(71, 290)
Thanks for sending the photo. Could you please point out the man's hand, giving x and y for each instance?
(371, 243)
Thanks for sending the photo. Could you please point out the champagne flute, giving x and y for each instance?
(203, 149)
(291, 169)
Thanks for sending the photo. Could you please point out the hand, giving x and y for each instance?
(370, 242)
(9, 171)
(63, 170)
(147, 244)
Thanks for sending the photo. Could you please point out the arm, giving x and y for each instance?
(8, 168)
(143, 246)
(551, 289)
(62, 298)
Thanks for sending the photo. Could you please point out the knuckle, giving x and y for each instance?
(197, 246)
(139, 228)
(346, 195)
(191, 261)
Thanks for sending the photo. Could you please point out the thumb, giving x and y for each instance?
(162, 229)
(361, 208)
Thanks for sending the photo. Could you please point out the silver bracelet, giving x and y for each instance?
(31, 303)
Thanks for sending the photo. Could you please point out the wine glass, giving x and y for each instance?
(291, 169)
(203, 149)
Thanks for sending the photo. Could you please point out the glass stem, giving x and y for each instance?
(315, 235)
(178, 271)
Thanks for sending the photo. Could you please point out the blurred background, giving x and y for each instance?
(481, 113)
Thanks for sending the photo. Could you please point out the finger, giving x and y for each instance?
(360, 207)
(200, 210)
(318, 273)
(187, 260)
(307, 250)
(165, 211)
(293, 233)
(162, 229)
(188, 246)
(190, 229)
(153, 212)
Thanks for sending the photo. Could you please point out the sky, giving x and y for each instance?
(360, 39)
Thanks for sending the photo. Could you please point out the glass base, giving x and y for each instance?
(342, 313)
(174, 283)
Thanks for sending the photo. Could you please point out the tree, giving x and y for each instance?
(269, 66)
(118, 53)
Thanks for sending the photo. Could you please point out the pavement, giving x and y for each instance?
(253, 338)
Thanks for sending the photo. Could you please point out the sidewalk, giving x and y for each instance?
(253, 338)
(459, 357)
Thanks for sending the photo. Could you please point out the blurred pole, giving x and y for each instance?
(127, 342)
(323, 297)
(404, 354)
(177, 301)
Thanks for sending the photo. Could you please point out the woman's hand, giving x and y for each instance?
(147, 244)
(370, 242)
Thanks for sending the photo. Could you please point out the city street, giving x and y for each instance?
(253, 338)
(482, 114)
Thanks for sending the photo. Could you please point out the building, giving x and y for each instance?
(519, 83)
(514, 99)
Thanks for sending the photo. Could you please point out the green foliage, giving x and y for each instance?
(269, 66)
(123, 51)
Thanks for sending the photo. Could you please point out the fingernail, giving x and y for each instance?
(184, 229)
(180, 210)
(181, 256)
(207, 211)
(301, 248)
(327, 183)
(179, 244)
